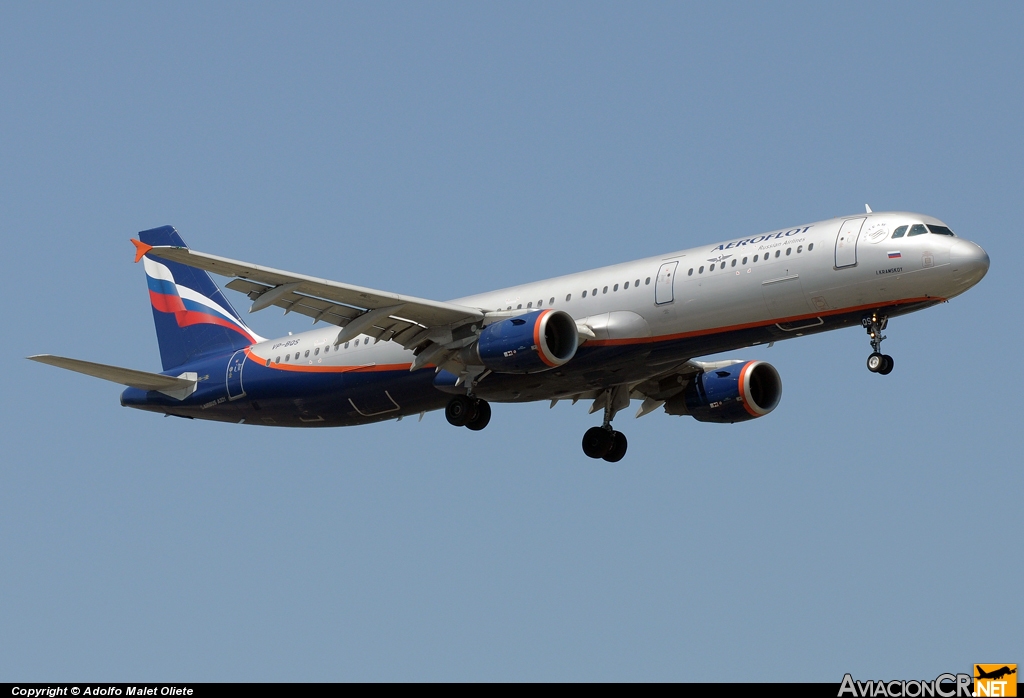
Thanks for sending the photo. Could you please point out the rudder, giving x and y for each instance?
(193, 317)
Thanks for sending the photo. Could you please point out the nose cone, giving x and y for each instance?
(969, 262)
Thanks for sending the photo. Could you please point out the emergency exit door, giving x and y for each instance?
(846, 243)
(663, 292)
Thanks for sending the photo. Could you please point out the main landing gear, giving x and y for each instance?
(603, 441)
(469, 412)
(877, 361)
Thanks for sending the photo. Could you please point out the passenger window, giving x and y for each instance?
(917, 230)
(594, 292)
(346, 345)
(755, 257)
(734, 262)
(777, 253)
(615, 287)
(277, 360)
(366, 341)
(540, 303)
(530, 304)
(711, 268)
(307, 352)
(552, 301)
(626, 285)
(941, 230)
(799, 249)
(519, 307)
(637, 282)
(744, 260)
(568, 297)
(648, 282)
(810, 247)
(316, 352)
(268, 363)
(584, 294)
(701, 270)
(789, 251)
(690, 273)
(605, 290)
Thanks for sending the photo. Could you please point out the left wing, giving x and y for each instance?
(411, 322)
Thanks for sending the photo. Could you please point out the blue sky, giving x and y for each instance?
(865, 526)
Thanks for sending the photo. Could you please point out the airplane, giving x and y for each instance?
(632, 331)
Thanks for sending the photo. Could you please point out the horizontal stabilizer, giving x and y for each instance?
(143, 380)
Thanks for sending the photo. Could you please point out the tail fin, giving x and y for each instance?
(193, 317)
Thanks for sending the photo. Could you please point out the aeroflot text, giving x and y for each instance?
(942, 686)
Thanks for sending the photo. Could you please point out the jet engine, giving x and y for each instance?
(529, 343)
(734, 393)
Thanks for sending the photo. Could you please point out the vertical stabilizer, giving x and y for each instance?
(193, 317)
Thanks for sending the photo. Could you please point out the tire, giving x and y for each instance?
(618, 448)
(876, 362)
(482, 416)
(597, 442)
(889, 363)
(459, 411)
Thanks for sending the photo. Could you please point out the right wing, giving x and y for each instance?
(411, 322)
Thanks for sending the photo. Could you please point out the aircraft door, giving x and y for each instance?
(846, 243)
(663, 287)
(234, 375)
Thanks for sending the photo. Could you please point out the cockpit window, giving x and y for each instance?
(918, 229)
(941, 230)
(898, 233)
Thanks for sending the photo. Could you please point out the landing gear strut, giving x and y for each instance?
(603, 441)
(877, 361)
(464, 411)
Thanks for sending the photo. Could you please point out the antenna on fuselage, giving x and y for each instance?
(867, 209)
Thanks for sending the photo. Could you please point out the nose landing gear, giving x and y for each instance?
(877, 361)
(472, 413)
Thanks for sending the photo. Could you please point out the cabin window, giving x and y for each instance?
(637, 283)
(941, 230)
(605, 290)
(540, 303)
(530, 304)
(615, 288)
(799, 249)
(346, 345)
(568, 297)
(307, 352)
(646, 283)
(789, 251)
(277, 360)
(625, 286)
(366, 341)
(744, 260)
(755, 257)
(690, 273)
(917, 230)
(519, 307)
(268, 363)
(701, 270)
(778, 253)
(584, 294)
(734, 262)
(316, 351)
(594, 292)
(552, 301)
(711, 268)
(810, 247)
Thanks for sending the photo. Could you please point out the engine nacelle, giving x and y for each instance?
(529, 343)
(735, 393)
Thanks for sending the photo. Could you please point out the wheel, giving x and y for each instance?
(876, 362)
(459, 410)
(597, 442)
(889, 363)
(483, 415)
(618, 448)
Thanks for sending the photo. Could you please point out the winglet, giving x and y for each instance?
(141, 249)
